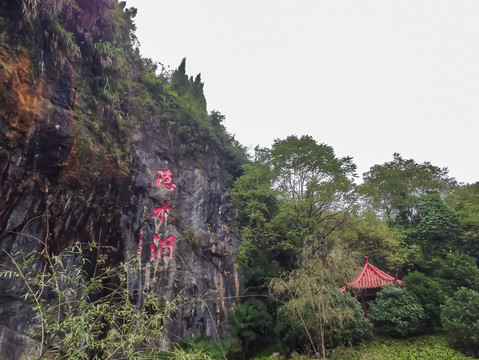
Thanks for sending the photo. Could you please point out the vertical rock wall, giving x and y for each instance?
(201, 269)
(50, 194)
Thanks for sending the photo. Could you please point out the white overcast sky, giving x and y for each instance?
(368, 78)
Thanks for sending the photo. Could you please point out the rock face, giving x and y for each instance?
(50, 194)
(202, 266)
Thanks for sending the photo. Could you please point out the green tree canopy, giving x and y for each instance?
(455, 271)
(257, 205)
(392, 189)
(399, 312)
(314, 186)
(295, 193)
(249, 321)
(430, 295)
(313, 314)
(384, 245)
(460, 318)
(437, 225)
(465, 201)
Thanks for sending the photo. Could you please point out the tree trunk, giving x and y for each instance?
(323, 347)
(244, 348)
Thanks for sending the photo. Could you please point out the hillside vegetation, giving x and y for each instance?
(303, 222)
(306, 226)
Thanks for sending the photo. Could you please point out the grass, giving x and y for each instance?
(427, 347)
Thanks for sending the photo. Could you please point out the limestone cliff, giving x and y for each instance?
(71, 170)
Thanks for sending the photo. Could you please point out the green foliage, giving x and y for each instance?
(465, 202)
(217, 350)
(291, 331)
(424, 348)
(298, 356)
(256, 203)
(84, 308)
(398, 312)
(249, 321)
(315, 187)
(392, 189)
(33, 9)
(190, 88)
(436, 226)
(312, 177)
(267, 352)
(193, 129)
(356, 328)
(460, 318)
(108, 56)
(456, 271)
(181, 354)
(436, 219)
(315, 315)
(253, 195)
(232, 151)
(47, 20)
(258, 278)
(352, 330)
(292, 201)
(59, 39)
(430, 295)
(384, 245)
(295, 194)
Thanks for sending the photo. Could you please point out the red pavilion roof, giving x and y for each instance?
(370, 277)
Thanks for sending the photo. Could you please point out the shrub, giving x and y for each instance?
(456, 271)
(217, 350)
(430, 295)
(424, 348)
(350, 330)
(291, 331)
(399, 312)
(355, 328)
(460, 318)
(249, 321)
(84, 307)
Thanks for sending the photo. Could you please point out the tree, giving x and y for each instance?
(313, 312)
(465, 201)
(294, 200)
(399, 312)
(455, 271)
(295, 193)
(249, 321)
(437, 225)
(392, 189)
(314, 186)
(384, 245)
(257, 205)
(193, 89)
(429, 293)
(460, 318)
(353, 330)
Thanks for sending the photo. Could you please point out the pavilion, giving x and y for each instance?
(368, 282)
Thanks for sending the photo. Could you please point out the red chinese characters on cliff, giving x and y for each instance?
(162, 211)
(163, 248)
(165, 180)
